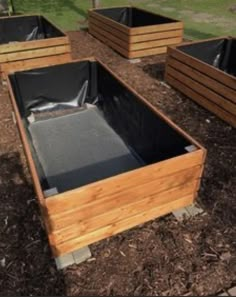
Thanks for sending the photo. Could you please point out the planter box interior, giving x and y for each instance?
(206, 72)
(102, 159)
(28, 41)
(134, 32)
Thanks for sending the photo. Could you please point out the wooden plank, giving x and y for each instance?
(36, 53)
(12, 67)
(221, 113)
(135, 38)
(155, 43)
(99, 31)
(200, 89)
(228, 95)
(35, 44)
(120, 226)
(109, 22)
(105, 27)
(213, 72)
(96, 207)
(156, 36)
(69, 200)
(147, 52)
(92, 223)
(110, 43)
(157, 28)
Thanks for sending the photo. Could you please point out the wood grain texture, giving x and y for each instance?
(208, 86)
(135, 42)
(221, 113)
(120, 226)
(97, 206)
(203, 67)
(28, 64)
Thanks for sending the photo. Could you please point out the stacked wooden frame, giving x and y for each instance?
(204, 83)
(15, 56)
(135, 41)
(96, 211)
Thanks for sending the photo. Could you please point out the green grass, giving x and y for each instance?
(202, 18)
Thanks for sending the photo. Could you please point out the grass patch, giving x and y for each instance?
(203, 19)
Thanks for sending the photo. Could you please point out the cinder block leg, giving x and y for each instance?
(134, 61)
(187, 212)
(82, 255)
(76, 257)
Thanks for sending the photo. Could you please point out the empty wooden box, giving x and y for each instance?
(102, 158)
(134, 32)
(30, 41)
(205, 71)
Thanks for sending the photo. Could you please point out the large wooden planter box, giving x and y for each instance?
(30, 41)
(134, 32)
(103, 167)
(205, 71)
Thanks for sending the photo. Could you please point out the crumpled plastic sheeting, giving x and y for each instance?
(26, 28)
(49, 104)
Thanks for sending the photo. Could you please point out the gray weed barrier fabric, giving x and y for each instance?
(84, 125)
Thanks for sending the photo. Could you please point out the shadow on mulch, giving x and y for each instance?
(26, 265)
(156, 70)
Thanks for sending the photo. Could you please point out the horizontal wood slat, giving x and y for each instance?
(107, 35)
(112, 216)
(36, 53)
(156, 36)
(221, 113)
(34, 63)
(135, 42)
(211, 71)
(29, 45)
(117, 200)
(157, 28)
(120, 226)
(208, 82)
(202, 90)
(110, 43)
(69, 200)
(155, 43)
(100, 25)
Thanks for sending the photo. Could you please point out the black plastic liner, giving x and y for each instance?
(106, 110)
(26, 28)
(220, 53)
(133, 17)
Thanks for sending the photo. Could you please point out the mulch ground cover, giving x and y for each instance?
(162, 257)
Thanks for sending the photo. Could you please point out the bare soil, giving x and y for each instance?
(163, 257)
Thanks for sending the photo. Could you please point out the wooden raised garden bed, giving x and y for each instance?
(102, 158)
(205, 71)
(134, 32)
(30, 41)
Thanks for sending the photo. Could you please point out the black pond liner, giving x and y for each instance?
(220, 53)
(26, 28)
(134, 17)
(104, 130)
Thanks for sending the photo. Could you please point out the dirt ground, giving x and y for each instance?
(163, 257)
